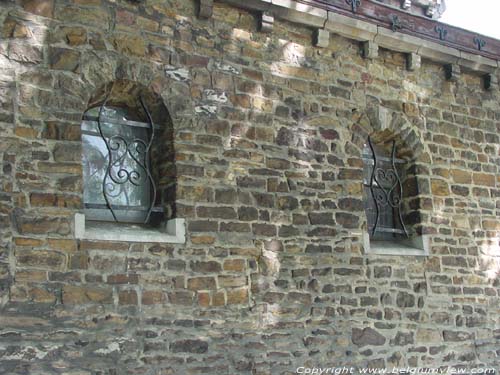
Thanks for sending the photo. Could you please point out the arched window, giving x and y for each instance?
(390, 191)
(129, 174)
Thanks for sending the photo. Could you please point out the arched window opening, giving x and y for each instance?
(390, 195)
(127, 145)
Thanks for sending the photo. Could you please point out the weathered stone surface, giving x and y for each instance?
(367, 336)
(260, 149)
(64, 59)
(43, 8)
(189, 346)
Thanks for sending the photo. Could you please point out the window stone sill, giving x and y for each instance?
(93, 230)
(414, 246)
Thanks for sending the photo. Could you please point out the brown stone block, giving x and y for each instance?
(85, 294)
(14, 29)
(32, 242)
(202, 283)
(491, 224)
(75, 36)
(43, 8)
(184, 298)
(94, 16)
(69, 168)
(25, 52)
(31, 275)
(24, 293)
(461, 177)
(127, 297)
(79, 261)
(203, 240)
(40, 259)
(62, 131)
(129, 44)
(62, 244)
(237, 296)
(267, 230)
(153, 297)
(42, 225)
(203, 299)
(216, 212)
(207, 266)
(232, 281)
(219, 299)
(103, 245)
(484, 179)
(440, 188)
(123, 279)
(64, 59)
(55, 200)
(236, 265)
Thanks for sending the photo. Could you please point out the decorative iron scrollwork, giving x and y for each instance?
(479, 42)
(386, 190)
(355, 4)
(122, 154)
(396, 23)
(441, 31)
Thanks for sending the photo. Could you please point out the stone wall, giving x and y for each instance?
(268, 133)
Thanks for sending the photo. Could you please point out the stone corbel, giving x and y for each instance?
(405, 4)
(431, 11)
(370, 50)
(490, 81)
(266, 22)
(452, 72)
(413, 62)
(205, 9)
(321, 38)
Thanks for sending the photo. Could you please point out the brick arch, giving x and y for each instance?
(379, 121)
(170, 86)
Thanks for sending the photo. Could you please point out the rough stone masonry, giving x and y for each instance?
(268, 132)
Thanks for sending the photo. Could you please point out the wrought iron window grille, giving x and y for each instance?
(384, 191)
(117, 158)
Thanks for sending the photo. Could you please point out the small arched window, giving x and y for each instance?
(391, 191)
(118, 182)
(383, 173)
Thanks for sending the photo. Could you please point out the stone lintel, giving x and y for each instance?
(205, 9)
(413, 62)
(266, 22)
(452, 72)
(321, 38)
(356, 29)
(370, 50)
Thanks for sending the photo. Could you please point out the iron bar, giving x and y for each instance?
(386, 189)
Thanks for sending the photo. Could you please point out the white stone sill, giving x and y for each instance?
(175, 231)
(414, 246)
